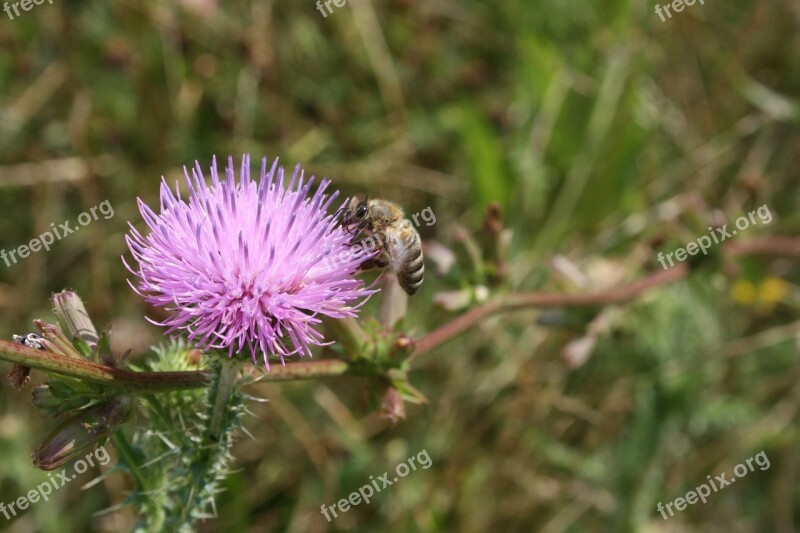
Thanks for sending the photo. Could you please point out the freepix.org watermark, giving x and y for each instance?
(26, 5)
(337, 3)
(46, 239)
(44, 490)
(365, 492)
(701, 492)
(715, 236)
(676, 5)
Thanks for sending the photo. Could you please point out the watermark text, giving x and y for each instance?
(703, 491)
(26, 5)
(46, 239)
(715, 236)
(44, 490)
(366, 491)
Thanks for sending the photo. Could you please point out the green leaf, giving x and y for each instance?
(104, 354)
(82, 346)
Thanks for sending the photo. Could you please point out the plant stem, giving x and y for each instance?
(779, 245)
(393, 301)
(124, 450)
(306, 370)
(87, 371)
(228, 374)
(348, 332)
(154, 382)
(521, 301)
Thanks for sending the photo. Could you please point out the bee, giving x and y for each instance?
(398, 241)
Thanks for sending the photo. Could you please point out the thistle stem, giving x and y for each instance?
(348, 332)
(306, 370)
(82, 369)
(228, 373)
(393, 302)
(154, 382)
(125, 451)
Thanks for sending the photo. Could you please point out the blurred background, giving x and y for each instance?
(604, 135)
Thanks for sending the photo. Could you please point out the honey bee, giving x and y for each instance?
(398, 241)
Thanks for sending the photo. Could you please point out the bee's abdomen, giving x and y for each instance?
(411, 277)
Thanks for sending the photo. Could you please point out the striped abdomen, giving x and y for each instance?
(410, 277)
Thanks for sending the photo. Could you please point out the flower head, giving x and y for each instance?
(247, 264)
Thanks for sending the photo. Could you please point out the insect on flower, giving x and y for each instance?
(240, 264)
(399, 243)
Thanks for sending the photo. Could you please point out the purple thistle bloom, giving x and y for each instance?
(247, 264)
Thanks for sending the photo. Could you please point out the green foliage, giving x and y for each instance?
(63, 394)
(177, 468)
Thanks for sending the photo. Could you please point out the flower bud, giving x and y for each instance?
(392, 407)
(71, 438)
(70, 311)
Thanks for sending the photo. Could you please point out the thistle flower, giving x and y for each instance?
(247, 264)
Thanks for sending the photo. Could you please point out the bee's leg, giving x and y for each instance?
(381, 261)
(367, 265)
(353, 234)
(356, 231)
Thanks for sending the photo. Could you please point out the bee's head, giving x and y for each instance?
(355, 214)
